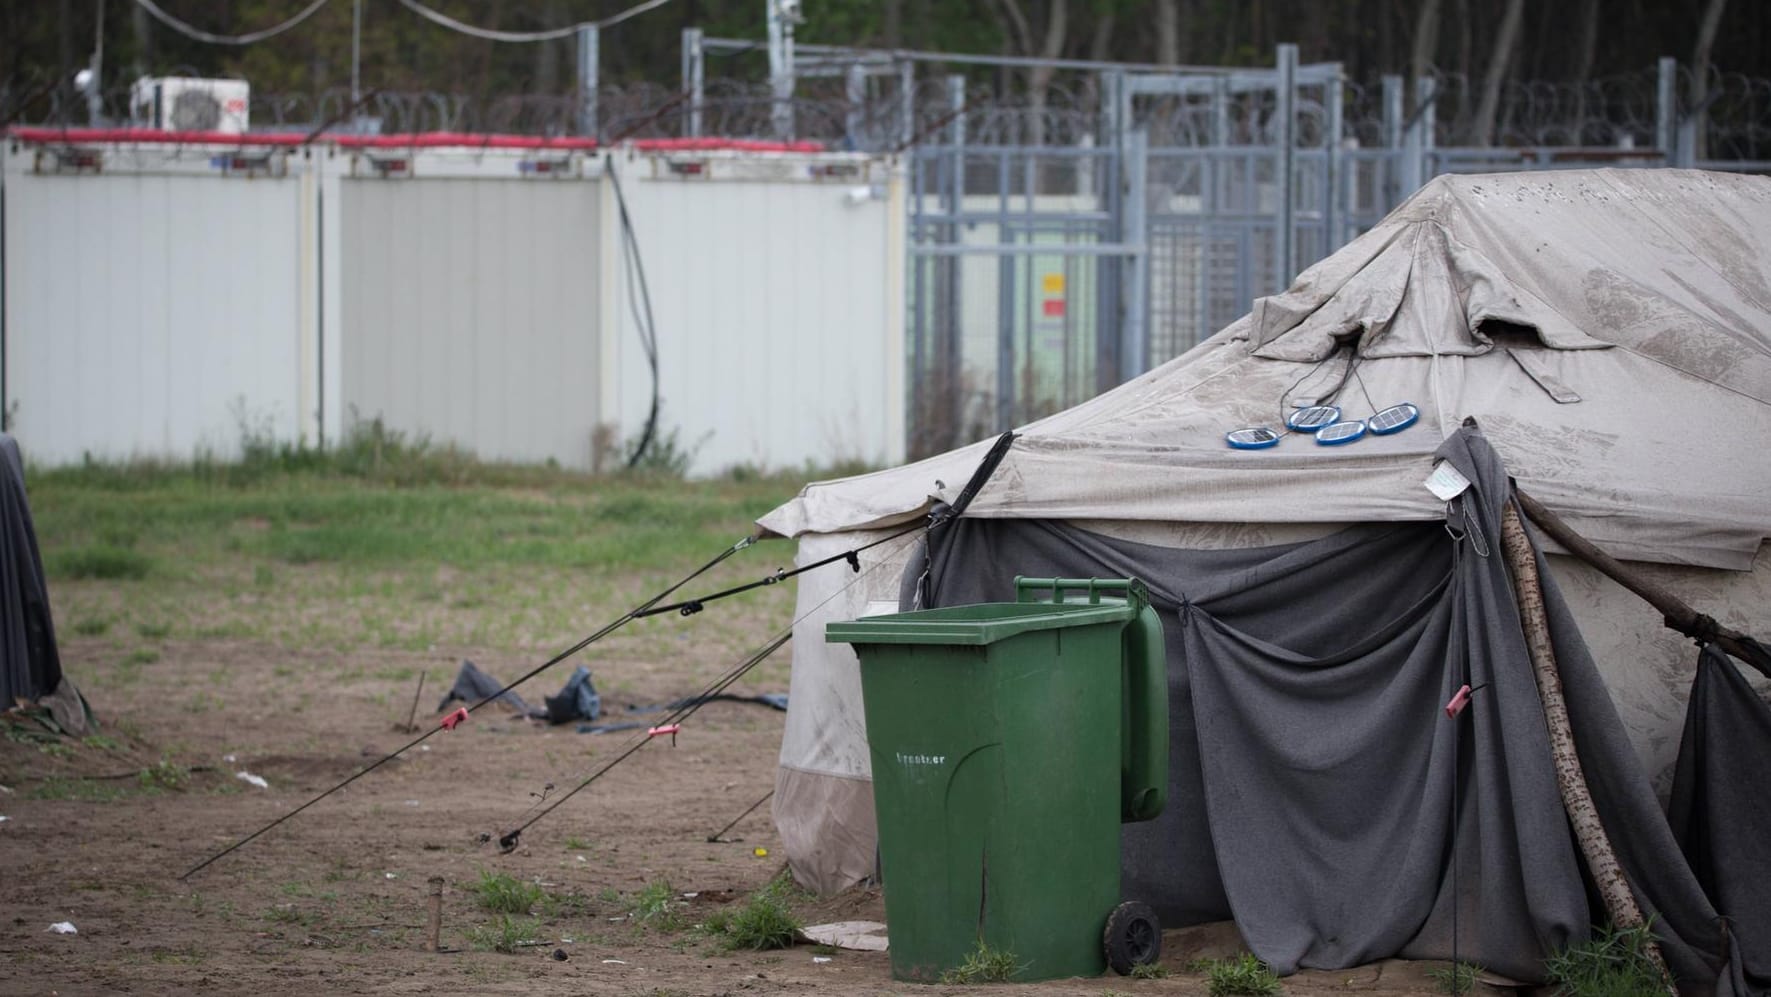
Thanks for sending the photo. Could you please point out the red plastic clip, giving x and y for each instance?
(1458, 702)
(670, 729)
(457, 717)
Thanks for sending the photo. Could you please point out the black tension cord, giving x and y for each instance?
(508, 841)
(607, 629)
(939, 517)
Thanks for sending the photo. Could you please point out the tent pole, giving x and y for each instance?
(1577, 799)
(1679, 616)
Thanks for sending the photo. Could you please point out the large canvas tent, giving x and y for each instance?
(1610, 334)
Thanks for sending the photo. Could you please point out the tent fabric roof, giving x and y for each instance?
(1609, 329)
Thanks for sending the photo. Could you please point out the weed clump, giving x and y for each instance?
(656, 907)
(984, 964)
(1243, 975)
(766, 921)
(1458, 979)
(504, 894)
(505, 935)
(1613, 963)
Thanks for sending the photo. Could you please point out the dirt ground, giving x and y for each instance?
(335, 899)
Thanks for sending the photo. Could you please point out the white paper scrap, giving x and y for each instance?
(64, 928)
(1446, 482)
(256, 780)
(867, 936)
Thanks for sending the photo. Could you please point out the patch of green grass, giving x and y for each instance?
(90, 790)
(984, 964)
(1149, 971)
(141, 656)
(505, 935)
(285, 914)
(101, 561)
(501, 893)
(92, 626)
(1243, 975)
(1458, 979)
(656, 906)
(164, 774)
(575, 844)
(102, 742)
(153, 630)
(1614, 962)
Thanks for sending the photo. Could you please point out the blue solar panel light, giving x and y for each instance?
(1339, 433)
(1312, 418)
(1394, 419)
(1253, 438)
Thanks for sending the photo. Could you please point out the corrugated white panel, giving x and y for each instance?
(468, 313)
(150, 315)
(778, 333)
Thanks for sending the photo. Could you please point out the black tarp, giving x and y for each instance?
(1311, 761)
(31, 668)
(1721, 804)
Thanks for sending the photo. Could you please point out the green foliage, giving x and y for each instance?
(1614, 962)
(1458, 979)
(665, 453)
(656, 906)
(505, 935)
(1243, 975)
(983, 964)
(92, 626)
(102, 561)
(501, 893)
(576, 844)
(1149, 971)
(765, 922)
(164, 774)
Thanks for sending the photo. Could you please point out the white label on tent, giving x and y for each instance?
(1446, 482)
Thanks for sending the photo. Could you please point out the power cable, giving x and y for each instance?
(554, 34)
(635, 270)
(249, 38)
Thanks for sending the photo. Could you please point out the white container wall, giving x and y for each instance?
(469, 311)
(151, 310)
(165, 301)
(778, 299)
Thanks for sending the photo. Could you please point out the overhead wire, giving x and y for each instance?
(191, 31)
(519, 37)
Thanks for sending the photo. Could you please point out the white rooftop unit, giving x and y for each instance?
(190, 104)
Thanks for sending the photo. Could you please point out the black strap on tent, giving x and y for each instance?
(940, 515)
(452, 719)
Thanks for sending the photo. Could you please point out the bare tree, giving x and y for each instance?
(1168, 31)
(1506, 46)
(1700, 71)
(1050, 46)
(1426, 41)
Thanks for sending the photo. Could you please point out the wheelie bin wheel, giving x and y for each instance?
(1133, 937)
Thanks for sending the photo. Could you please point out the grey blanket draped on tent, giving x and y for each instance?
(1312, 762)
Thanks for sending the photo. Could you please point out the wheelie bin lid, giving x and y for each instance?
(989, 622)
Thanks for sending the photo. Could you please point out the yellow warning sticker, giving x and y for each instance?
(1053, 283)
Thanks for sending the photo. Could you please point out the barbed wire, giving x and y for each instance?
(1612, 112)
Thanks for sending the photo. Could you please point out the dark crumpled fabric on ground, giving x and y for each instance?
(30, 663)
(1311, 762)
(1721, 804)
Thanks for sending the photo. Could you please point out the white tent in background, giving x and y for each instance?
(1610, 330)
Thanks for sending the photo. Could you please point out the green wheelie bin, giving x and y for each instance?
(1009, 741)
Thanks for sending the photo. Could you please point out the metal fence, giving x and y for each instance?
(1065, 237)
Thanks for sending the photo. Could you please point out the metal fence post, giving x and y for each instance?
(952, 352)
(1285, 137)
(1666, 110)
(694, 77)
(1108, 301)
(781, 70)
(587, 79)
(907, 102)
(1134, 333)
(855, 90)
(1332, 210)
